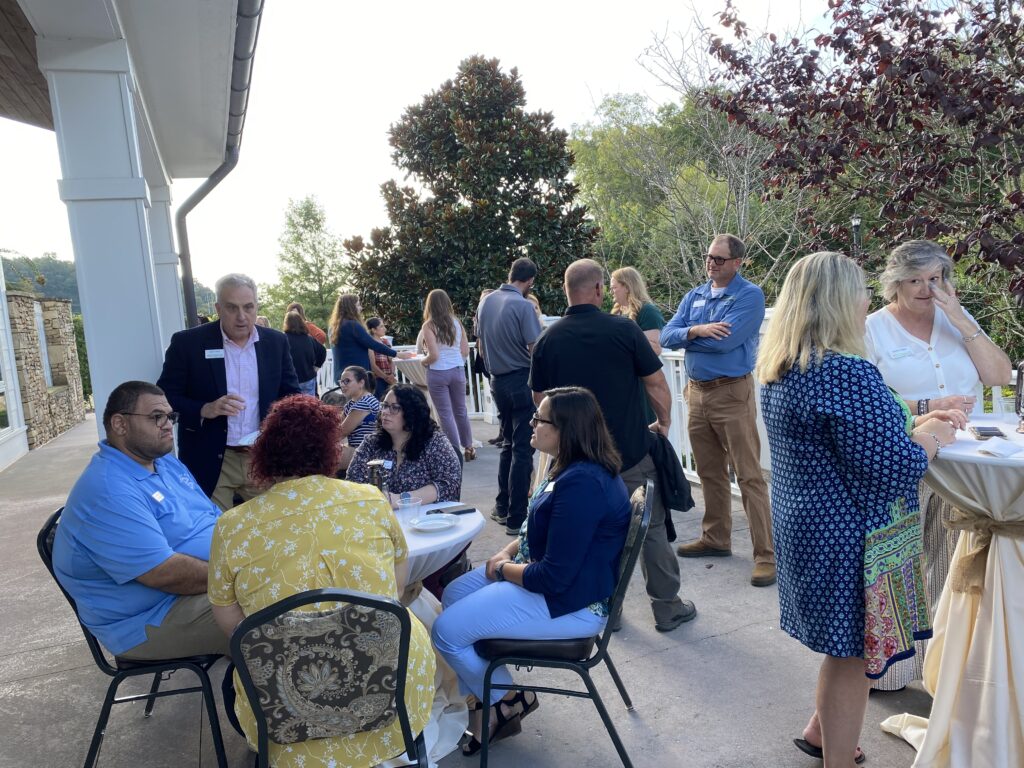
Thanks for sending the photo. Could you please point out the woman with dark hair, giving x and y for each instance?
(447, 349)
(381, 365)
(307, 355)
(555, 579)
(314, 330)
(361, 412)
(418, 459)
(310, 531)
(350, 339)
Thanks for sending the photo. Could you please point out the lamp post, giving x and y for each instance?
(855, 225)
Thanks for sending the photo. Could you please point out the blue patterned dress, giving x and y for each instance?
(844, 512)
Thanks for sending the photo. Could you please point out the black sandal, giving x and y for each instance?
(505, 727)
(520, 700)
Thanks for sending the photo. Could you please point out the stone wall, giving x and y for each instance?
(49, 411)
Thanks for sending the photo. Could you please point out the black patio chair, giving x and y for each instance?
(274, 648)
(122, 669)
(578, 655)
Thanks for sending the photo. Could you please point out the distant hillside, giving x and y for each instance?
(60, 282)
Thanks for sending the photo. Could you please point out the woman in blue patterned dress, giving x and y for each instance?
(846, 460)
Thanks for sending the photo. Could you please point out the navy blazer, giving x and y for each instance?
(576, 530)
(191, 380)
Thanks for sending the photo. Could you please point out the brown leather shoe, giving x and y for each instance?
(763, 574)
(699, 549)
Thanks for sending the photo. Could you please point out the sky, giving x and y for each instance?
(331, 77)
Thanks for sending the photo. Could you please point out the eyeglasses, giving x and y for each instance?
(391, 407)
(345, 382)
(538, 420)
(720, 260)
(159, 419)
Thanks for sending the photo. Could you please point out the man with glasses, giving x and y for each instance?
(507, 327)
(718, 325)
(223, 377)
(610, 356)
(134, 538)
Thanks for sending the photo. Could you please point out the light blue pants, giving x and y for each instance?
(476, 608)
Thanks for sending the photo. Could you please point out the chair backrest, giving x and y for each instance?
(642, 503)
(44, 545)
(325, 672)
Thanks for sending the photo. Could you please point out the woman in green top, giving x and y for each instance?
(632, 300)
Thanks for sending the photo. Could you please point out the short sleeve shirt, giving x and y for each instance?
(120, 521)
(649, 318)
(507, 323)
(608, 355)
(370, 405)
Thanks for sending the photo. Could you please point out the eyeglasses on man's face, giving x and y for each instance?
(720, 260)
(159, 419)
(391, 407)
(538, 420)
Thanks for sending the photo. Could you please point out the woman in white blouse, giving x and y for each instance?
(934, 354)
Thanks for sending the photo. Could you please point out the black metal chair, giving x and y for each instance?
(122, 669)
(578, 655)
(274, 649)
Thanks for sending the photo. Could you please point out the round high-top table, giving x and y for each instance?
(974, 667)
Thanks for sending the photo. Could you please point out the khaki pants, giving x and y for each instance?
(234, 478)
(188, 629)
(723, 431)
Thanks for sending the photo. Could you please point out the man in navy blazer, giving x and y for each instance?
(222, 379)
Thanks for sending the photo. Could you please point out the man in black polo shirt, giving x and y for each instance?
(612, 358)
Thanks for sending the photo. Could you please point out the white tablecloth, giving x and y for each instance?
(430, 551)
(412, 369)
(974, 667)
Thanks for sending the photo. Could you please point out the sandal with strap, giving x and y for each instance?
(470, 453)
(505, 727)
(519, 704)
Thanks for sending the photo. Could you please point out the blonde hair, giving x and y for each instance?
(816, 312)
(637, 289)
(345, 308)
(440, 313)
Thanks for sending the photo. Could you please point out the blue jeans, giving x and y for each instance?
(514, 399)
(476, 608)
(308, 387)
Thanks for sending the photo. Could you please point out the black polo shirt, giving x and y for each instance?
(609, 355)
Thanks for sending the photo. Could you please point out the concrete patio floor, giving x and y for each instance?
(726, 690)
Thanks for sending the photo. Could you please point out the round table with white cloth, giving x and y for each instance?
(974, 667)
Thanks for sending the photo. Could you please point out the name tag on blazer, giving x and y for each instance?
(550, 487)
(214, 354)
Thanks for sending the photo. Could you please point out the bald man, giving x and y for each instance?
(611, 357)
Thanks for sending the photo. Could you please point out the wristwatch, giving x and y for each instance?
(499, 571)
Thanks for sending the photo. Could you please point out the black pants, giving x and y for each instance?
(514, 399)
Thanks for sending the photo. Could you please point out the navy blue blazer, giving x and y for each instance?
(576, 530)
(191, 380)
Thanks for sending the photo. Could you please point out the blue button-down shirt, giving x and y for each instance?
(120, 521)
(741, 305)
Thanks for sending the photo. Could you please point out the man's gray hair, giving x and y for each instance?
(236, 280)
(583, 273)
(909, 260)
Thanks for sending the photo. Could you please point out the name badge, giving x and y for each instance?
(899, 352)
(215, 354)
(699, 303)
(157, 496)
(550, 487)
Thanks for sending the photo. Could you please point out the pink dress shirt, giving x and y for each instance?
(243, 380)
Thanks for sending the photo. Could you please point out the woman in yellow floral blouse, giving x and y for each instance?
(310, 531)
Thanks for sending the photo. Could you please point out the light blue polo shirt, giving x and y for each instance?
(120, 521)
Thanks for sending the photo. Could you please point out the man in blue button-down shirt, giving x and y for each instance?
(134, 538)
(718, 325)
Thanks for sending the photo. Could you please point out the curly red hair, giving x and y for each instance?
(301, 436)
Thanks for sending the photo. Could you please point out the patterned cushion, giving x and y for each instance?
(324, 674)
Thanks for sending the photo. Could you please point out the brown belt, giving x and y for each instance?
(719, 382)
(238, 448)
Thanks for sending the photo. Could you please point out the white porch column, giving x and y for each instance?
(165, 264)
(91, 86)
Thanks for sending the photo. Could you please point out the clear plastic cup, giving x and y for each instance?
(409, 508)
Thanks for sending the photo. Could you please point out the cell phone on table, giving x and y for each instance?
(984, 433)
(462, 509)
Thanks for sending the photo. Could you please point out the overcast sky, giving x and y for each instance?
(330, 77)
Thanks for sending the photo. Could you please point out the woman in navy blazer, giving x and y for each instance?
(351, 343)
(553, 581)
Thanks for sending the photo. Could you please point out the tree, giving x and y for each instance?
(492, 184)
(912, 110)
(310, 268)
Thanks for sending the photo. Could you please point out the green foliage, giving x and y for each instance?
(83, 357)
(46, 276)
(205, 299)
(492, 184)
(310, 267)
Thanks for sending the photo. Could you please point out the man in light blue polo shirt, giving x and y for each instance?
(718, 324)
(134, 539)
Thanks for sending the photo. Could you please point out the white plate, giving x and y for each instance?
(432, 523)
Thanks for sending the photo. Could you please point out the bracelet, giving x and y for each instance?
(499, 571)
(938, 445)
(922, 407)
(972, 337)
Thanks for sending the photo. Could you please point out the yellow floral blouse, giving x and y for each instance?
(312, 533)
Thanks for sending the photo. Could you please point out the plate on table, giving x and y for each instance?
(434, 523)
